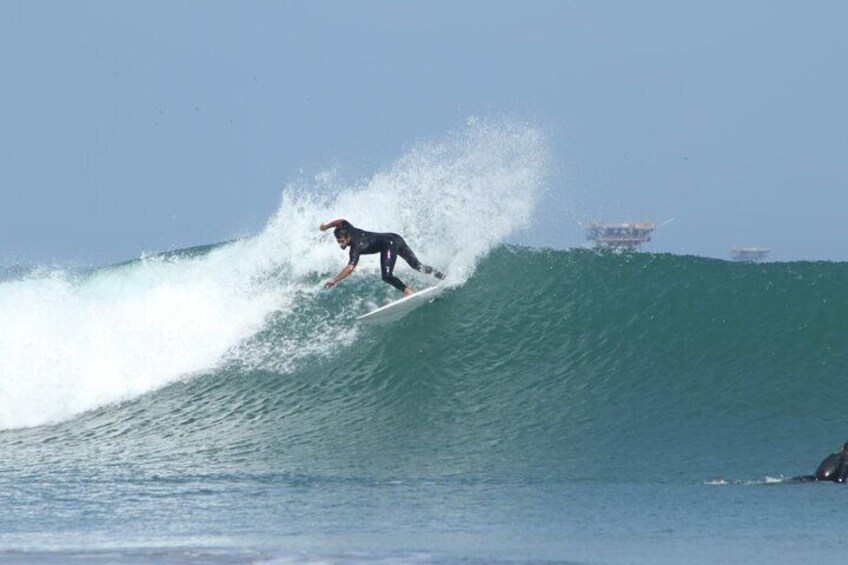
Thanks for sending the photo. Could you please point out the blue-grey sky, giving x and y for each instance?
(144, 126)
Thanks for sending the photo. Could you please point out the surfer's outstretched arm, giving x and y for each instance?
(343, 275)
(333, 224)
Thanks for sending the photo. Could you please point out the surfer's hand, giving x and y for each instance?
(329, 284)
(324, 227)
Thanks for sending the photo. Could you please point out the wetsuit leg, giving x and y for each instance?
(388, 258)
(408, 256)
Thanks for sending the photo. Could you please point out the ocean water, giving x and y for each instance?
(216, 405)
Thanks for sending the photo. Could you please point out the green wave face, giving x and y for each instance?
(544, 365)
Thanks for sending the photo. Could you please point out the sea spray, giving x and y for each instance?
(452, 200)
(71, 342)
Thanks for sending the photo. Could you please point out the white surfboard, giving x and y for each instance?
(396, 310)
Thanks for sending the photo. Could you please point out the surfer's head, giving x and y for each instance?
(845, 447)
(342, 236)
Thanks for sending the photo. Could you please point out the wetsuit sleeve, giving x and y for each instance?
(829, 468)
(354, 255)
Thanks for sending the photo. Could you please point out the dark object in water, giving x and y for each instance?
(834, 467)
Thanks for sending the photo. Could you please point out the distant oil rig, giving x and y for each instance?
(749, 254)
(628, 236)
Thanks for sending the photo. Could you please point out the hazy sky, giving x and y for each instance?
(145, 126)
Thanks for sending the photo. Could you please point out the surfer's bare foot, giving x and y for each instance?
(408, 292)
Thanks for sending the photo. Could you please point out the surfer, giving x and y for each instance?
(834, 467)
(388, 245)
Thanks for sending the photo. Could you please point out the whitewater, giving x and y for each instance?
(217, 405)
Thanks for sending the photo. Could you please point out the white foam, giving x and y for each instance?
(70, 344)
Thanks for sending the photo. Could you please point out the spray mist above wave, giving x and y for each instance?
(452, 200)
(71, 343)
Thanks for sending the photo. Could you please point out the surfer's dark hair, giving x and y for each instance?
(340, 232)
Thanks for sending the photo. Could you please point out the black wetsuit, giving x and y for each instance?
(833, 468)
(389, 246)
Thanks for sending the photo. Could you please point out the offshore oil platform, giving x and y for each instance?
(628, 236)
(749, 254)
